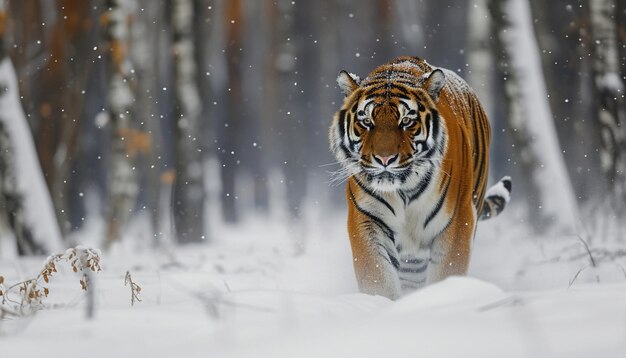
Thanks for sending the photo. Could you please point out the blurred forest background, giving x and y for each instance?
(138, 108)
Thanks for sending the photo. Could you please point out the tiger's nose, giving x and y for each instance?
(385, 160)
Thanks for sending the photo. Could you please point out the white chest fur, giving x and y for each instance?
(415, 221)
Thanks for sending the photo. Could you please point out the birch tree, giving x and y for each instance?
(11, 200)
(144, 54)
(479, 55)
(24, 198)
(547, 188)
(189, 194)
(609, 101)
(564, 60)
(122, 179)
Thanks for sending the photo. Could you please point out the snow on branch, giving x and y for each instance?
(26, 297)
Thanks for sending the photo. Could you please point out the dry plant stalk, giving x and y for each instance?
(32, 291)
(135, 289)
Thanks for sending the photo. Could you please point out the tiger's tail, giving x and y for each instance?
(496, 198)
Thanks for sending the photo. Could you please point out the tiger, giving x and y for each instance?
(412, 141)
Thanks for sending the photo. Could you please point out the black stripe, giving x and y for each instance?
(387, 87)
(476, 146)
(414, 270)
(342, 119)
(432, 125)
(498, 201)
(407, 82)
(421, 186)
(345, 150)
(438, 206)
(407, 107)
(386, 258)
(481, 158)
(384, 227)
(507, 184)
(372, 96)
(414, 261)
(375, 196)
(401, 95)
(342, 134)
(478, 129)
(402, 196)
(394, 260)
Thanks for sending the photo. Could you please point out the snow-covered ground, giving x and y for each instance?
(247, 295)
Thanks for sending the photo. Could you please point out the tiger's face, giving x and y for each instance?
(388, 139)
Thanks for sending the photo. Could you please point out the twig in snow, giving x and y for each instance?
(571, 282)
(593, 261)
(512, 301)
(135, 289)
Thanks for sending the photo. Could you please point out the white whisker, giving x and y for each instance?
(328, 164)
(347, 170)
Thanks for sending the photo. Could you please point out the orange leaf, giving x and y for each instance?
(1, 280)
(46, 291)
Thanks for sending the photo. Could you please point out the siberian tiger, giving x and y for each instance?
(413, 143)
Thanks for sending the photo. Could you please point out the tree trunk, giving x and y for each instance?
(11, 206)
(229, 140)
(144, 53)
(58, 100)
(548, 191)
(289, 126)
(256, 51)
(27, 49)
(24, 198)
(442, 19)
(480, 74)
(189, 194)
(479, 55)
(609, 101)
(563, 58)
(122, 179)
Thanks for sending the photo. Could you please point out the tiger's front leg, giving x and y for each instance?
(450, 250)
(374, 253)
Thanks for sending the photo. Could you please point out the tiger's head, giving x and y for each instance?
(388, 132)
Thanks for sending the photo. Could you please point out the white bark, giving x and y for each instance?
(609, 91)
(189, 193)
(122, 182)
(531, 122)
(144, 54)
(37, 206)
(479, 55)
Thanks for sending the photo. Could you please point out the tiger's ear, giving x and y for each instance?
(434, 83)
(348, 82)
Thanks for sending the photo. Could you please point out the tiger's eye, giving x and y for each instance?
(407, 120)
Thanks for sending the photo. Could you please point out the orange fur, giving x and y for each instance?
(424, 204)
